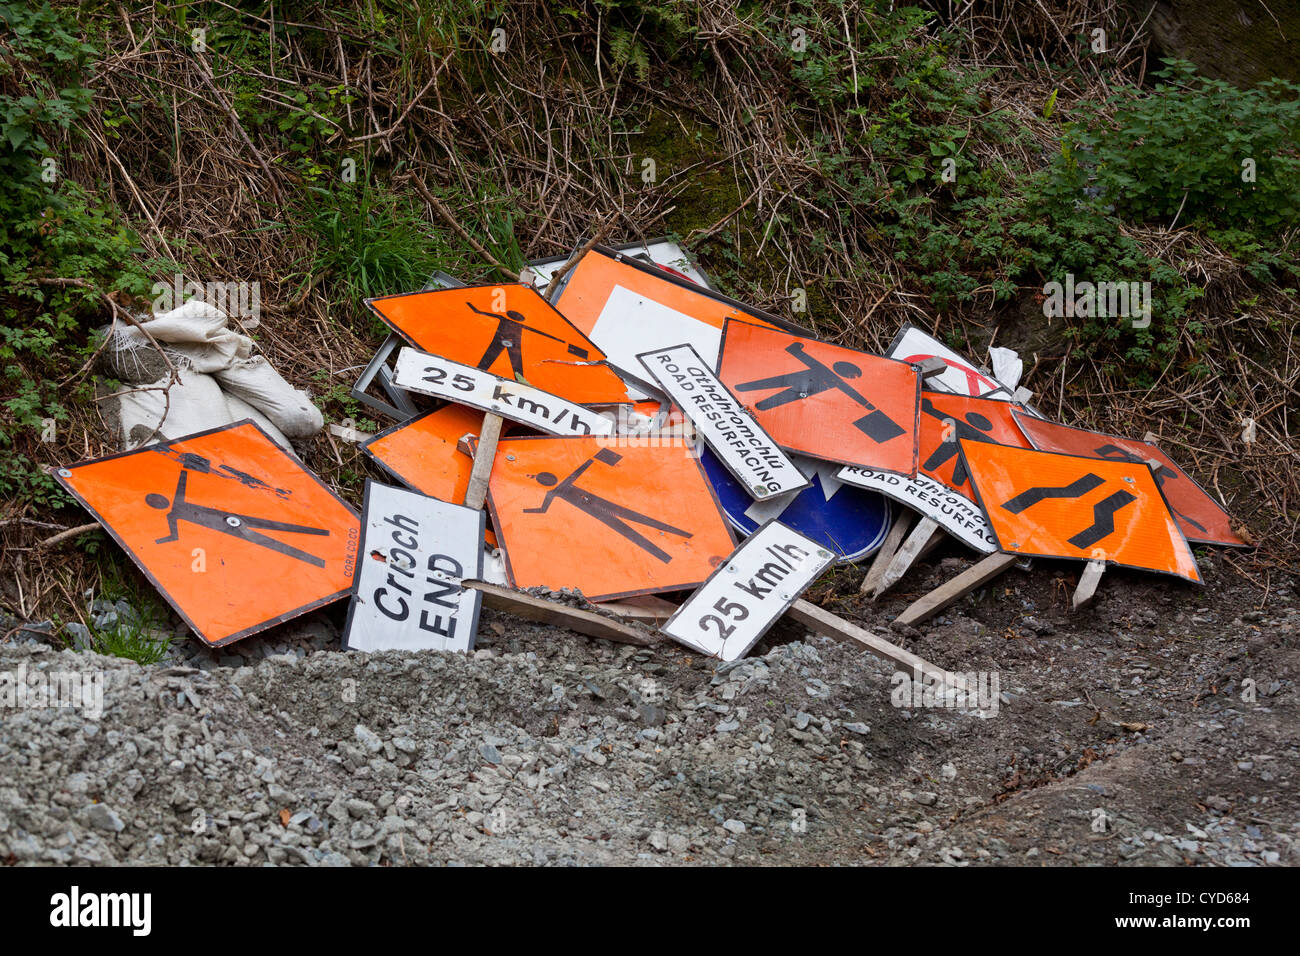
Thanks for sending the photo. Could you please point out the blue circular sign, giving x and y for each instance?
(850, 521)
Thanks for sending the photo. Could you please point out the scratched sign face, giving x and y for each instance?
(509, 331)
(233, 531)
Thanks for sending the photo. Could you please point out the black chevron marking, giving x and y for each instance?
(1103, 519)
(1032, 496)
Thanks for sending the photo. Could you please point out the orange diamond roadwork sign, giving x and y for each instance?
(1049, 505)
(628, 308)
(1199, 516)
(233, 531)
(575, 513)
(941, 489)
(824, 400)
(510, 331)
(422, 453)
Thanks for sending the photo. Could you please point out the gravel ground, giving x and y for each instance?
(1158, 727)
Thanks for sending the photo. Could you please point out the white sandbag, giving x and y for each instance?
(197, 332)
(240, 409)
(194, 403)
(254, 381)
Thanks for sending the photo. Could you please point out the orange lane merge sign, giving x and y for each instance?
(824, 400)
(230, 528)
(1062, 506)
(510, 331)
(1199, 516)
(574, 513)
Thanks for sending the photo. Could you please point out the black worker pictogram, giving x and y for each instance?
(609, 513)
(508, 338)
(976, 427)
(815, 378)
(227, 522)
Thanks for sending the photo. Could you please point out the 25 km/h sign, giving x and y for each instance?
(749, 453)
(734, 608)
(824, 400)
(232, 530)
(510, 331)
(415, 552)
(572, 513)
(434, 375)
(1048, 505)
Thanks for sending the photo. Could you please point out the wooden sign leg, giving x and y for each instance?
(924, 536)
(485, 452)
(1088, 580)
(824, 622)
(548, 612)
(973, 577)
(902, 521)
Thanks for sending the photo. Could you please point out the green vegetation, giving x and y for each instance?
(847, 151)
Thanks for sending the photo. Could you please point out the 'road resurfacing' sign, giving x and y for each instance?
(415, 551)
(749, 453)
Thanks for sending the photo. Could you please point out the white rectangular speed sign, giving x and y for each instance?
(434, 375)
(745, 594)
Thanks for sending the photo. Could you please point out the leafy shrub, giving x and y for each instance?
(1178, 153)
(49, 227)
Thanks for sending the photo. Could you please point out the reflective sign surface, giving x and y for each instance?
(609, 521)
(234, 532)
(824, 400)
(1051, 505)
(510, 331)
(422, 453)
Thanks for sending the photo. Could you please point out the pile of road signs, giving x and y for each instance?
(612, 442)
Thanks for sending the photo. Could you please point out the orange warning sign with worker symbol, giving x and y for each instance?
(947, 419)
(1198, 515)
(510, 331)
(1050, 505)
(824, 400)
(574, 513)
(230, 527)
